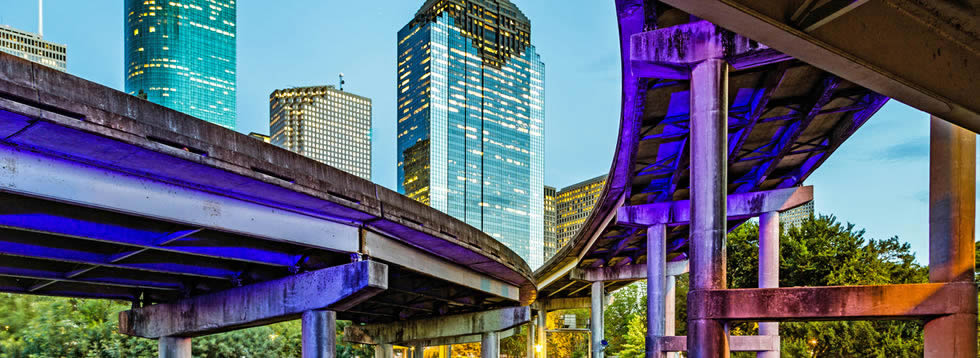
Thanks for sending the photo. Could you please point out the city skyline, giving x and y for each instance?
(587, 114)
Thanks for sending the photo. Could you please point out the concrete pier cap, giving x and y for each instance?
(669, 52)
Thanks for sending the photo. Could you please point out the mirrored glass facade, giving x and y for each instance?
(471, 119)
(181, 54)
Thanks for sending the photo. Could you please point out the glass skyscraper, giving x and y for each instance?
(181, 54)
(471, 119)
(325, 124)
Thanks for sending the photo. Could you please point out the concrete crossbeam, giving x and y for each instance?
(667, 53)
(737, 343)
(739, 206)
(625, 272)
(439, 327)
(557, 304)
(336, 288)
(910, 301)
(473, 338)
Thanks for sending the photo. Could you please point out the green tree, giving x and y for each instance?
(634, 341)
(627, 303)
(824, 252)
(35, 326)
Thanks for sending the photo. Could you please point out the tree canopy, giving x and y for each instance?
(819, 252)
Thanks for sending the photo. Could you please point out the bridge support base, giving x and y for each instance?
(490, 345)
(384, 351)
(769, 272)
(596, 323)
(175, 347)
(319, 334)
(709, 181)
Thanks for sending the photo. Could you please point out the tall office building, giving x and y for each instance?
(325, 124)
(471, 119)
(796, 216)
(574, 203)
(33, 48)
(181, 54)
(550, 223)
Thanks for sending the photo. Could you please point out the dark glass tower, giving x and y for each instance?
(182, 55)
(471, 119)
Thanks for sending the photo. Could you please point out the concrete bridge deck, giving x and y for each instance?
(109, 196)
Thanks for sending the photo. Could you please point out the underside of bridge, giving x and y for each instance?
(206, 230)
(718, 127)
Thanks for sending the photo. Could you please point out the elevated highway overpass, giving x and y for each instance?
(718, 127)
(206, 230)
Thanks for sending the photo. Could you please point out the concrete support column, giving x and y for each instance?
(542, 334)
(319, 334)
(670, 312)
(449, 351)
(384, 351)
(490, 345)
(175, 347)
(952, 209)
(769, 269)
(656, 288)
(709, 191)
(530, 339)
(598, 331)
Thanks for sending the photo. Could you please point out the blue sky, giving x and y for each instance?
(877, 180)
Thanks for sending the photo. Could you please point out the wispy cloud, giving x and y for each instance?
(916, 148)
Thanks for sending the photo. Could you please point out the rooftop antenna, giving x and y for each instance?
(40, 18)
(341, 81)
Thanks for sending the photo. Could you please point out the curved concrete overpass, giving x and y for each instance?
(207, 230)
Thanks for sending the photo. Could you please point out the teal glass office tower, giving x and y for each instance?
(471, 119)
(181, 54)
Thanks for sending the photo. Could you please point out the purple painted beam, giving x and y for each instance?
(909, 302)
(335, 288)
(739, 206)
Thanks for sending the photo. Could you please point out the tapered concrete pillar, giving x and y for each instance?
(598, 331)
(952, 209)
(769, 269)
(709, 180)
(656, 288)
(319, 334)
(490, 345)
(670, 312)
(542, 340)
(384, 351)
(175, 347)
